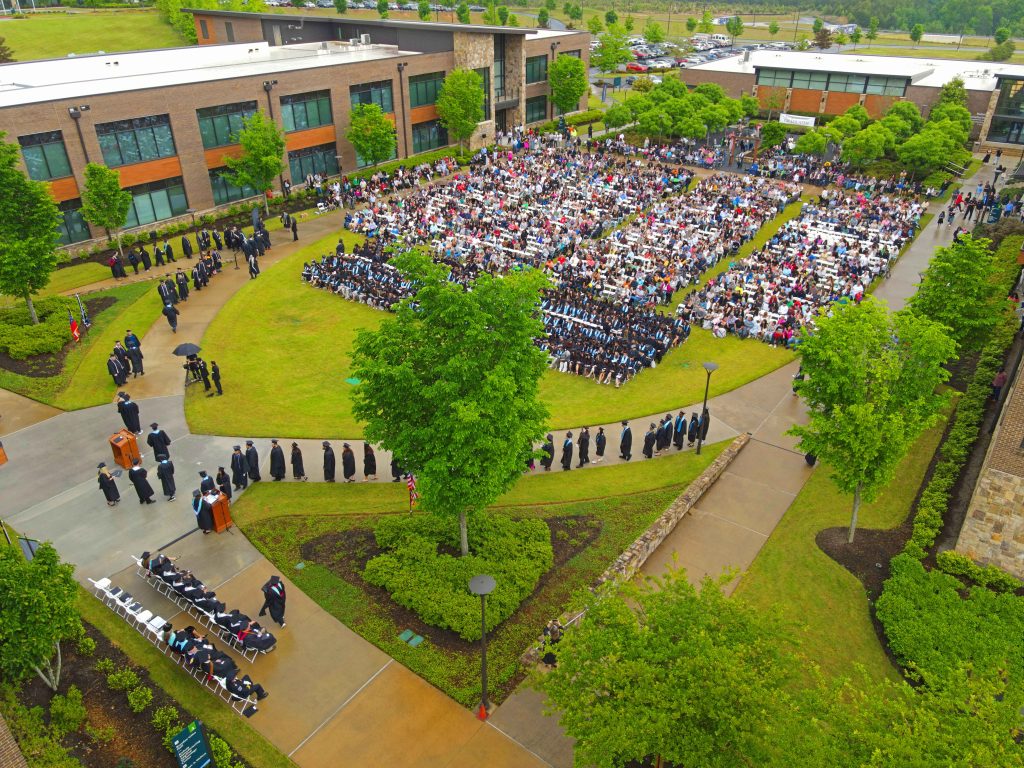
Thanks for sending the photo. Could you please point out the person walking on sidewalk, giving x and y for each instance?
(171, 314)
(295, 230)
(215, 375)
(274, 599)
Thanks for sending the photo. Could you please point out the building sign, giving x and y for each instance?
(190, 747)
(787, 119)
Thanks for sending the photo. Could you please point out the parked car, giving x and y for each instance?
(656, 79)
(324, 3)
(630, 80)
(636, 66)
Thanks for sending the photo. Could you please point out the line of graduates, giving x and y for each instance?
(126, 358)
(676, 432)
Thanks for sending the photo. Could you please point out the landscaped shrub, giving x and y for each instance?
(123, 680)
(105, 665)
(86, 646)
(989, 576)
(21, 339)
(167, 723)
(67, 713)
(103, 735)
(140, 698)
(422, 571)
(37, 741)
(220, 751)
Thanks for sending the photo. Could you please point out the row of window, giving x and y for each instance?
(836, 82)
(536, 109)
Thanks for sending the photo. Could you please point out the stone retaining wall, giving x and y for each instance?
(628, 564)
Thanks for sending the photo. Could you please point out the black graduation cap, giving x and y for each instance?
(101, 465)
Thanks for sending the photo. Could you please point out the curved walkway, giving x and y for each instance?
(368, 706)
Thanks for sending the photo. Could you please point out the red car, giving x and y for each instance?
(635, 66)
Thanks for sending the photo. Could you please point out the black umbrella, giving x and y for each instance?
(184, 350)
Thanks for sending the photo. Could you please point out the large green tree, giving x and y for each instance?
(653, 32)
(460, 104)
(613, 50)
(568, 79)
(104, 203)
(450, 384)
(811, 143)
(37, 613)
(867, 145)
(916, 33)
(28, 230)
(870, 386)
(371, 133)
(262, 157)
(662, 670)
(734, 26)
(959, 291)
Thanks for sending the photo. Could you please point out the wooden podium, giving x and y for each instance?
(221, 514)
(3, 454)
(125, 448)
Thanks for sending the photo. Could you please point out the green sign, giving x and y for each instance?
(190, 747)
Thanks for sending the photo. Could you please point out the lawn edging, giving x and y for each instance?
(628, 564)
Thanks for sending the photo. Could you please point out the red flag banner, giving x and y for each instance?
(410, 483)
(74, 327)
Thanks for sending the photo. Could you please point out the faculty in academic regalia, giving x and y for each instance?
(203, 511)
(369, 463)
(329, 462)
(691, 434)
(206, 484)
(277, 470)
(626, 442)
(348, 463)
(116, 370)
(599, 443)
(224, 482)
(239, 469)
(252, 458)
(549, 453)
(274, 599)
(567, 452)
(137, 474)
(679, 430)
(186, 247)
(107, 485)
(181, 279)
(396, 470)
(135, 356)
(705, 424)
(158, 440)
(298, 468)
(584, 447)
(165, 471)
(650, 439)
(129, 413)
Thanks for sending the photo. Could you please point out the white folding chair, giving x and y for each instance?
(153, 628)
(100, 586)
(131, 609)
(142, 620)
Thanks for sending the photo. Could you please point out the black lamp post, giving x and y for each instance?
(554, 47)
(710, 368)
(483, 585)
(401, 100)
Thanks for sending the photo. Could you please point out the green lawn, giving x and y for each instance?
(823, 601)
(54, 35)
(264, 514)
(933, 52)
(69, 278)
(84, 381)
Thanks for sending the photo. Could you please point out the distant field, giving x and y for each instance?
(55, 35)
(947, 52)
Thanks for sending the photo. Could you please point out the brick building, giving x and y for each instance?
(165, 119)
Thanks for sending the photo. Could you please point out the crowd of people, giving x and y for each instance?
(831, 252)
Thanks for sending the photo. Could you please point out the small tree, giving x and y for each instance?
(543, 17)
(6, 54)
(613, 50)
(871, 389)
(568, 79)
(823, 39)
(423, 10)
(653, 32)
(734, 26)
(594, 24)
(104, 203)
(1001, 35)
(811, 143)
(617, 116)
(382, 8)
(953, 92)
(341, 6)
(462, 13)
(774, 101)
(818, 25)
(773, 29)
(916, 33)
(460, 104)
(706, 25)
(691, 24)
(628, 24)
(503, 15)
(37, 613)
(262, 158)
(855, 37)
(371, 133)
(450, 384)
(872, 34)
(773, 133)
(28, 231)
(841, 39)
(867, 145)
(610, 17)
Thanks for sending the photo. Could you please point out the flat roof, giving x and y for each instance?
(928, 72)
(76, 77)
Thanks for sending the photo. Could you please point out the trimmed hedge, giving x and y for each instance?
(21, 339)
(422, 571)
(989, 576)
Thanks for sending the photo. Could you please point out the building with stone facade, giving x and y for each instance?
(166, 119)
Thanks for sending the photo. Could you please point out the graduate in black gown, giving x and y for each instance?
(599, 443)
(165, 471)
(626, 442)
(224, 482)
(239, 469)
(584, 444)
(298, 469)
(705, 424)
(679, 430)
(159, 440)
(328, 461)
(348, 463)
(549, 453)
(107, 485)
(129, 412)
(252, 458)
(567, 452)
(369, 463)
(277, 470)
(137, 474)
(203, 511)
(206, 484)
(691, 435)
(650, 438)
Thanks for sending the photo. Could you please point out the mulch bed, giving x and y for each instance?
(134, 736)
(345, 553)
(45, 366)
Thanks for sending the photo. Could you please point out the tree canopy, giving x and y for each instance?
(870, 386)
(371, 133)
(613, 50)
(568, 79)
(450, 384)
(460, 104)
(28, 230)
(262, 158)
(104, 203)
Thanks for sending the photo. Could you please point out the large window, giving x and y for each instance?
(156, 201)
(321, 159)
(423, 89)
(306, 110)
(536, 69)
(1006, 130)
(219, 126)
(45, 156)
(72, 227)
(814, 80)
(136, 141)
(485, 78)
(225, 192)
(429, 135)
(887, 86)
(1011, 97)
(779, 78)
(536, 109)
(378, 93)
(842, 83)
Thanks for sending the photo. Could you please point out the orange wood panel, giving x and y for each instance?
(215, 157)
(422, 114)
(765, 93)
(311, 137)
(877, 105)
(805, 100)
(153, 170)
(64, 189)
(210, 29)
(837, 103)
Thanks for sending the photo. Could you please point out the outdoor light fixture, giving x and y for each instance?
(483, 585)
(710, 368)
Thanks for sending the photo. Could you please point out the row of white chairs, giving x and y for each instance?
(151, 627)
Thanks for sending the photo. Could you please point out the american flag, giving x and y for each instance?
(74, 327)
(410, 483)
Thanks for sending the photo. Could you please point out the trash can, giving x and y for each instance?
(125, 448)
